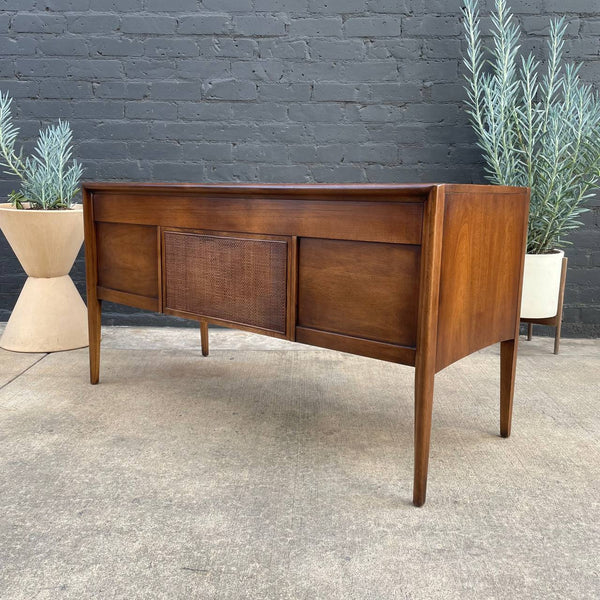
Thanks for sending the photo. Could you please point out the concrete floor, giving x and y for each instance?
(271, 470)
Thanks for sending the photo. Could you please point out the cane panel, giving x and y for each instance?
(236, 279)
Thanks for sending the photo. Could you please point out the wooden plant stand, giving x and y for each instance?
(556, 320)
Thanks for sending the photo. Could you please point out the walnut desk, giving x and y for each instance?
(420, 275)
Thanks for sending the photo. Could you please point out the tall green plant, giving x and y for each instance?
(49, 178)
(541, 132)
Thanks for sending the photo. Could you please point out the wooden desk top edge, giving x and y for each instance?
(300, 191)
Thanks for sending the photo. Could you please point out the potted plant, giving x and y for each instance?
(45, 230)
(536, 130)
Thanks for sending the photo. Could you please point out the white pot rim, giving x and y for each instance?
(553, 252)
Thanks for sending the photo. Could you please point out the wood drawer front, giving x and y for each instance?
(346, 219)
(238, 279)
(360, 289)
(128, 258)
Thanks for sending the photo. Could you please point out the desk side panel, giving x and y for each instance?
(484, 237)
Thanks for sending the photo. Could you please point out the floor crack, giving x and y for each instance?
(23, 372)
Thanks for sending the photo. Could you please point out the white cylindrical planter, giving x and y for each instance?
(541, 285)
(50, 314)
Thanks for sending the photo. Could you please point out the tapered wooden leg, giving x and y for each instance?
(508, 363)
(204, 337)
(94, 331)
(529, 331)
(423, 410)
(561, 298)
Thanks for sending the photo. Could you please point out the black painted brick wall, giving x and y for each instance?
(268, 90)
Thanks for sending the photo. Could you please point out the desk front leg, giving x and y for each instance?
(424, 379)
(94, 331)
(508, 365)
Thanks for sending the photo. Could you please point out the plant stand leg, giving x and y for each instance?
(557, 335)
(508, 363)
(561, 298)
(529, 331)
(204, 337)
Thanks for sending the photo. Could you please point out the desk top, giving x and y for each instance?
(401, 192)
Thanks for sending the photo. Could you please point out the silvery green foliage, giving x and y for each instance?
(541, 132)
(49, 178)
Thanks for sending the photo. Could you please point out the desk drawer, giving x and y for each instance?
(238, 279)
(127, 263)
(362, 290)
(348, 217)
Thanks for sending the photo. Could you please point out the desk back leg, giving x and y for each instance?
(508, 364)
(94, 330)
(204, 337)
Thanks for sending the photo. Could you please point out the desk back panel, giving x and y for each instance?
(347, 275)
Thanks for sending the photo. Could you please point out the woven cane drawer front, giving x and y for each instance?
(236, 279)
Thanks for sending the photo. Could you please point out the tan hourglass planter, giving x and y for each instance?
(50, 314)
